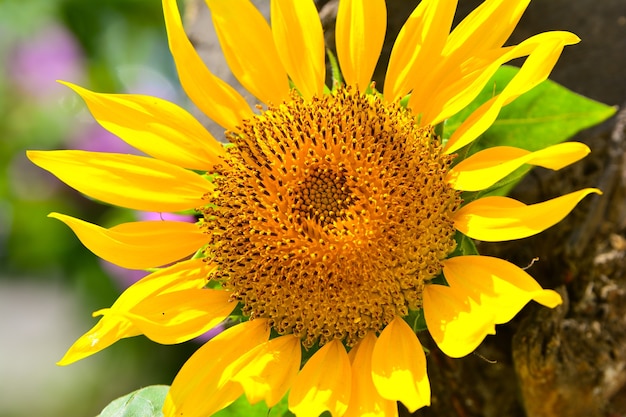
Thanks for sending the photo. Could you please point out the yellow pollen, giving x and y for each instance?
(331, 216)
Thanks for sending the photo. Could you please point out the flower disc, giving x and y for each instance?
(331, 215)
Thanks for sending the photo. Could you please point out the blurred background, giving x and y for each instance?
(49, 283)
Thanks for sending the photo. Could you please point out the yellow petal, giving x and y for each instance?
(323, 384)
(130, 181)
(179, 316)
(485, 168)
(200, 388)
(214, 97)
(365, 401)
(299, 40)
(497, 219)
(456, 79)
(155, 126)
(115, 324)
(486, 27)
(102, 335)
(455, 321)
(535, 70)
(399, 366)
(268, 371)
(249, 49)
(359, 35)
(138, 245)
(418, 47)
(194, 273)
(483, 291)
(461, 78)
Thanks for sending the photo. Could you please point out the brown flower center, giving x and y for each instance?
(331, 215)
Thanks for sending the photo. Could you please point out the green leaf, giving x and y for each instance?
(145, 402)
(546, 115)
(242, 408)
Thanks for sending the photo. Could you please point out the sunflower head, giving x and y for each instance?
(331, 215)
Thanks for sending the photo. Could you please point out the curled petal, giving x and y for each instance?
(359, 35)
(365, 399)
(107, 331)
(138, 245)
(249, 49)
(535, 69)
(202, 386)
(497, 219)
(471, 56)
(130, 181)
(299, 39)
(399, 366)
(461, 79)
(194, 273)
(418, 47)
(485, 168)
(116, 324)
(323, 384)
(482, 292)
(268, 371)
(178, 316)
(155, 126)
(486, 27)
(216, 98)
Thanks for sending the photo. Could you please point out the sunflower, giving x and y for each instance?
(333, 217)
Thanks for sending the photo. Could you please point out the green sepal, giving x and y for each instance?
(404, 101)
(335, 72)
(464, 246)
(416, 320)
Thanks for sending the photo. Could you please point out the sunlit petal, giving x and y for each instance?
(200, 388)
(178, 316)
(194, 273)
(455, 321)
(299, 40)
(418, 47)
(359, 36)
(365, 401)
(496, 219)
(486, 27)
(268, 371)
(130, 181)
(323, 384)
(461, 79)
(469, 60)
(249, 49)
(485, 168)
(214, 97)
(399, 366)
(483, 291)
(115, 323)
(535, 69)
(155, 126)
(138, 245)
(106, 332)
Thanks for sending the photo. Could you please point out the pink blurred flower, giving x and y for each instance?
(50, 54)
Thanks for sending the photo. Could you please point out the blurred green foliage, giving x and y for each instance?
(114, 46)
